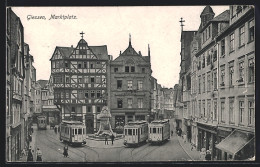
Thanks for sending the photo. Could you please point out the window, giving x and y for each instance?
(84, 64)
(57, 64)
(231, 71)
(115, 69)
(251, 70)
(251, 31)
(223, 47)
(130, 103)
(251, 112)
(92, 80)
(215, 110)
(129, 131)
(126, 68)
(231, 110)
(203, 108)
(132, 69)
(66, 64)
(79, 65)
(119, 103)
(241, 111)
(232, 42)
(203, 61)
(98, 109)
(215, 79)
(199, 84)
(222, 110)
(72, 109)
(208, 82)
(222, 75)
(119, 84)
(140, 85)
(241, 36)
(209, 57)
(79, 79)
(86, 94)
(98, 94)
(200, 107)
(241, 71)
(140, 103)
(67, 79)
(143, 70)
(91, 66)
(92, 94)
(89, 108)
(203, 83)
(129, 85)
(209, 109)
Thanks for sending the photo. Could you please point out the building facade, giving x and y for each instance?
(80, 82)
(130, 88)
(15, 81)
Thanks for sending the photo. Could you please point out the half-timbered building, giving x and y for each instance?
(80, 82)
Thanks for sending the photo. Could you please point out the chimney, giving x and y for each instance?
(71, 46)
(140, 53)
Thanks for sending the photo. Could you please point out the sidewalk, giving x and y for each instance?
(187, 147)
(33, 146)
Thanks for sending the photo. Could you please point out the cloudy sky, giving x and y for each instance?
(157, 26)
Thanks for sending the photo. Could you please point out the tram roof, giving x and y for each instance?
(72, 122)
(136, 123)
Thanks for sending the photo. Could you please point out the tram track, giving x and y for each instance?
(73, 149)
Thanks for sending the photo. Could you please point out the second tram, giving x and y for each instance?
(159, 131)
(42, 122)
(73, 132)
(135, 132)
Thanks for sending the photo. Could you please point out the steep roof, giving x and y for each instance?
(207, 10)
(65, 51)
(100, 51)
(224, 16)
(130, 51)
(42, 83)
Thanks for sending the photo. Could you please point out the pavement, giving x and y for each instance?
(101, 143)
(33, 146)
(189, 149)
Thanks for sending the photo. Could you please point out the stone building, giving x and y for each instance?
(168, 102)
(130, 87)
(80, 80)
(236, 85)
(15, 84)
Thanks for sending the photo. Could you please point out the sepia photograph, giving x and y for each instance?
(130, 84)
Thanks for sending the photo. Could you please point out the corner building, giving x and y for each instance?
(130, 88)
(80, 82)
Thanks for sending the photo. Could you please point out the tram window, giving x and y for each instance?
(154, 130)
(138, 131)
(76, 131)
(129, 131)
(83, 131)
(133, 131)
(79, 131)
(125, 131)
(162, 129)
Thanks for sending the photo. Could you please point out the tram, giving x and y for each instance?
(42, 122)
(73, 132)
(159, 131)
(135, 133)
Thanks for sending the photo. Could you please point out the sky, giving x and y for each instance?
(157, 26)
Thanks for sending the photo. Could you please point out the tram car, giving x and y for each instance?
(135, 133)
(42, 122)
(73, 132)
(159, 131)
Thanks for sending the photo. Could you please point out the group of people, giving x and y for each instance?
(112, 139)
(30, 155)
(205, 155)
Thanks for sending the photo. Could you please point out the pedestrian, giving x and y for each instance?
(112, 138)
(106, 142)
(208, 155)
(30, 138)
(55, 129)
(180, 132)
(185, 138)
(171, 132)
(202, 154)
(30, 155)
(65, 151)
(38, 155)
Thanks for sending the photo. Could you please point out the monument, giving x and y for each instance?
(105, 126)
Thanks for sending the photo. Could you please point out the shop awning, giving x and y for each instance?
(234, 142)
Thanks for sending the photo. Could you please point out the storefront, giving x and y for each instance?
(239, 145)
(207, 135)
(15, 143)
(223, 132)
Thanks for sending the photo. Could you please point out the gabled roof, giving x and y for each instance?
(224, 16)
(65, 51)
(42, 83)
(207, 10)
(130, 51)
(100, 51)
